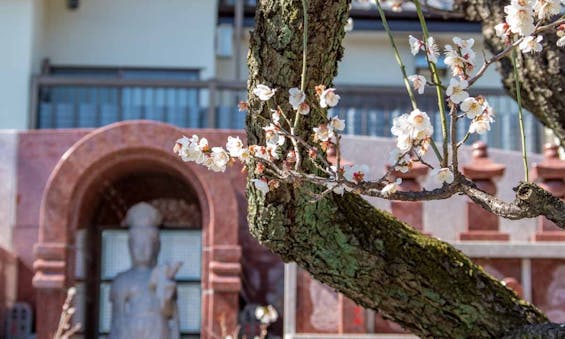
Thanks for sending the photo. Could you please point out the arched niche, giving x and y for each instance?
(74, 194)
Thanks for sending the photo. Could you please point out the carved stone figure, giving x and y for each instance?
(144, 297)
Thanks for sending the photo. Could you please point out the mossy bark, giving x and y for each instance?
(542, 74)
(421, 283)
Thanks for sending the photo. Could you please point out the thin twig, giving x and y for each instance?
(520, 115)
(437, 80)
(453, 137)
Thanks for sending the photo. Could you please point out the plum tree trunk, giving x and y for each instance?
(542, 74)
(422, 283)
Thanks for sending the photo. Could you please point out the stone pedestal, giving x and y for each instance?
(411, 212)
(482, 224)
(550, 175)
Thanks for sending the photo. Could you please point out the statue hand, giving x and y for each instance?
(162, 281)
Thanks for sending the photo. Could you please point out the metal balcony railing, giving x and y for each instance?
(85, 102)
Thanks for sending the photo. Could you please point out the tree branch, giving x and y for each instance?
(531, 201)
(546, 331)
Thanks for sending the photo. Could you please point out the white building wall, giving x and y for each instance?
(369, 60)
(134, 33)
(16, 39)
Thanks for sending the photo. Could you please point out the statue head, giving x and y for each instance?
(144, 244)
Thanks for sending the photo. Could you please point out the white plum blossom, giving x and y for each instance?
(561, 34)
(471, 107)
(296, 97)
(355, 173)
(402, 165)
(401, 129)
(519, 16)
(391, 188)
(259, 152)
(275, 117)
(328, 98)
(561, 41)
(411, 128)
(501, 30)
(547, 8)
(456, 90)
(420, 124)
(245, 156)
(188, 149)
(203, 145)
(481, 123)
(531, 44)
(466, 47)
(335, 187)
(264, 92)
(418, 82)
(234, 146)
(273, 136)
(323, 133)
(415, 45)
(220, 159)
(432, 50)
(456, 63)
(442, 175)
(272, 150)
(304, 109)
(261, 185)
(396, 5)
(461, 58)
(349, 25)
(337, 124)
(480, 126)
(266, 314)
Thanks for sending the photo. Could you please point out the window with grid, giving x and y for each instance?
(79, 105)
(176, 245)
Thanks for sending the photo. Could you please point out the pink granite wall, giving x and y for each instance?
(38, 153)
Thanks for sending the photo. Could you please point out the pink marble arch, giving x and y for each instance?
(111, 152)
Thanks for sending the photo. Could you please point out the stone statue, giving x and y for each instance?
(144, 297)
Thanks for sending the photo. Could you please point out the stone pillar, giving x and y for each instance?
(221, 298)
(482, 224)
(351, 317)
(411, 212)
(51, 281)
(550, 175)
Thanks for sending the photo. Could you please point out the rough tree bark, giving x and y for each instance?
(542, 74)
(421, 283)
